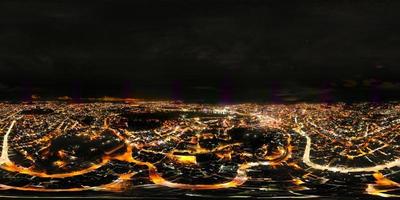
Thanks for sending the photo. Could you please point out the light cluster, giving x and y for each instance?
(249, 150)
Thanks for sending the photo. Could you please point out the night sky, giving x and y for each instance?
(220, 51)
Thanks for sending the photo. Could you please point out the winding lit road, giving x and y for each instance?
(307, 161)
(4, 151)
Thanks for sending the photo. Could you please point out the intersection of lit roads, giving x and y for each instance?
(167, 149)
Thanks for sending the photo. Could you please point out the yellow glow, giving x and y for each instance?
(184, 159)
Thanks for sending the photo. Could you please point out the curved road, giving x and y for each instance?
(4, 151)
(307, 161)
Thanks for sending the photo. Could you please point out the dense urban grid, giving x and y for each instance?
(169, 149)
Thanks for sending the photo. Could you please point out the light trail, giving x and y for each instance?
(4, 151)
(307, 161)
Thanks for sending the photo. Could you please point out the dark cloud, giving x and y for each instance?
(159, 46)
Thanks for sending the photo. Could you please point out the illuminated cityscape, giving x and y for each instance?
(199, 99)
(135, 148)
